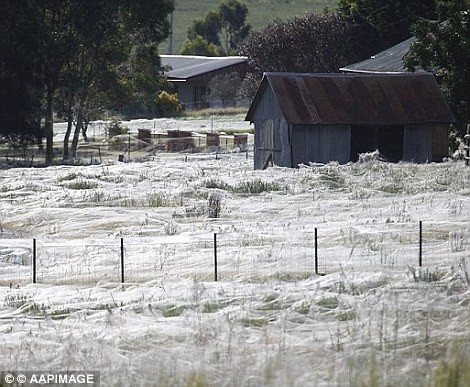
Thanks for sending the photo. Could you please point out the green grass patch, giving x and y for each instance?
(81, 184)
(255, 186)
(173, 311)
(258, 322)
(210, 112)
(328, 303)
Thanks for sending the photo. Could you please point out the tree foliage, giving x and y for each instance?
(224, 29)
(21, 83)
(199, 46)
(312, 43)
(69, 55)
(381, 24)
(207, 28)
(443, 47)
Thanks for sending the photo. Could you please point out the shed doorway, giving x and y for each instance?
(387, 139)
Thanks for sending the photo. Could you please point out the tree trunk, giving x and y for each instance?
(84, 129)
(66, 153)
(49, 130)
(79, 122)
(76, 133)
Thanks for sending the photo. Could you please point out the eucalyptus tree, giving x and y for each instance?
(121, 46)
(74, 50)
(443, 47)
(223, 29)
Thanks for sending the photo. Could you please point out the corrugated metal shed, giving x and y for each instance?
(387, 61)
(182, 67)
(356, 99)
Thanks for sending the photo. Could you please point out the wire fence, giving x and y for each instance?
(132, 146)
(232, 256)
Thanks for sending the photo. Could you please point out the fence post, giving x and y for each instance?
(215, 257)
(420, 243)
(316, 251)
(122, 260)
(34, 260)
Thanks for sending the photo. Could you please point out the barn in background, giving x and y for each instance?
(304, 118)
(191, 76)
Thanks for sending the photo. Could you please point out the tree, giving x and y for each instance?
(73, 50)
(233, 18)
(443, 47)
(224, 29)
(312, 43)
(199, 46)
(207, 28)
(225, 87)
(381, 24)
(126, 32)
(20, 73)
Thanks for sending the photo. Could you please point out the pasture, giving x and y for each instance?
(260, 14)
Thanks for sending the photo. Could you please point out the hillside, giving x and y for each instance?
(260, 14)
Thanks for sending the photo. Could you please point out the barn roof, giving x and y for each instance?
(352, 98)
(388, 61)
(182, 67)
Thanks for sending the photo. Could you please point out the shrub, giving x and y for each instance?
(115, 128)
(168, 104)
(214, 204)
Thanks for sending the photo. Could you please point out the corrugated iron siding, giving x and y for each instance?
(425, 143)
(417, 144)
(271, 133)
(321, 143)
(359, 99)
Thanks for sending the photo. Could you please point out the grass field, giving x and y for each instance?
(260, 14)
(376, 318)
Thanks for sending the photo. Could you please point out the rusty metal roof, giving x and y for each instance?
(367, 99)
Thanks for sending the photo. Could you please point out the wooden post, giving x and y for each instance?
(122, 260)
(215, 257)
(34, 261)
(316, 251)
(420, 243)
(129, 149)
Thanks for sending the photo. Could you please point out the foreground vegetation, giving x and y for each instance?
(374, 319)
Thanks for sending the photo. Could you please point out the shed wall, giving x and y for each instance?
(425, 143)
(321, 144)
(272, 142)
(417, 144)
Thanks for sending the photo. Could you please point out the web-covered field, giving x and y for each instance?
(375, 318)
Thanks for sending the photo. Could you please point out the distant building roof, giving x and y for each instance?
(388, 61)
(367, 99)
(182, 67)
